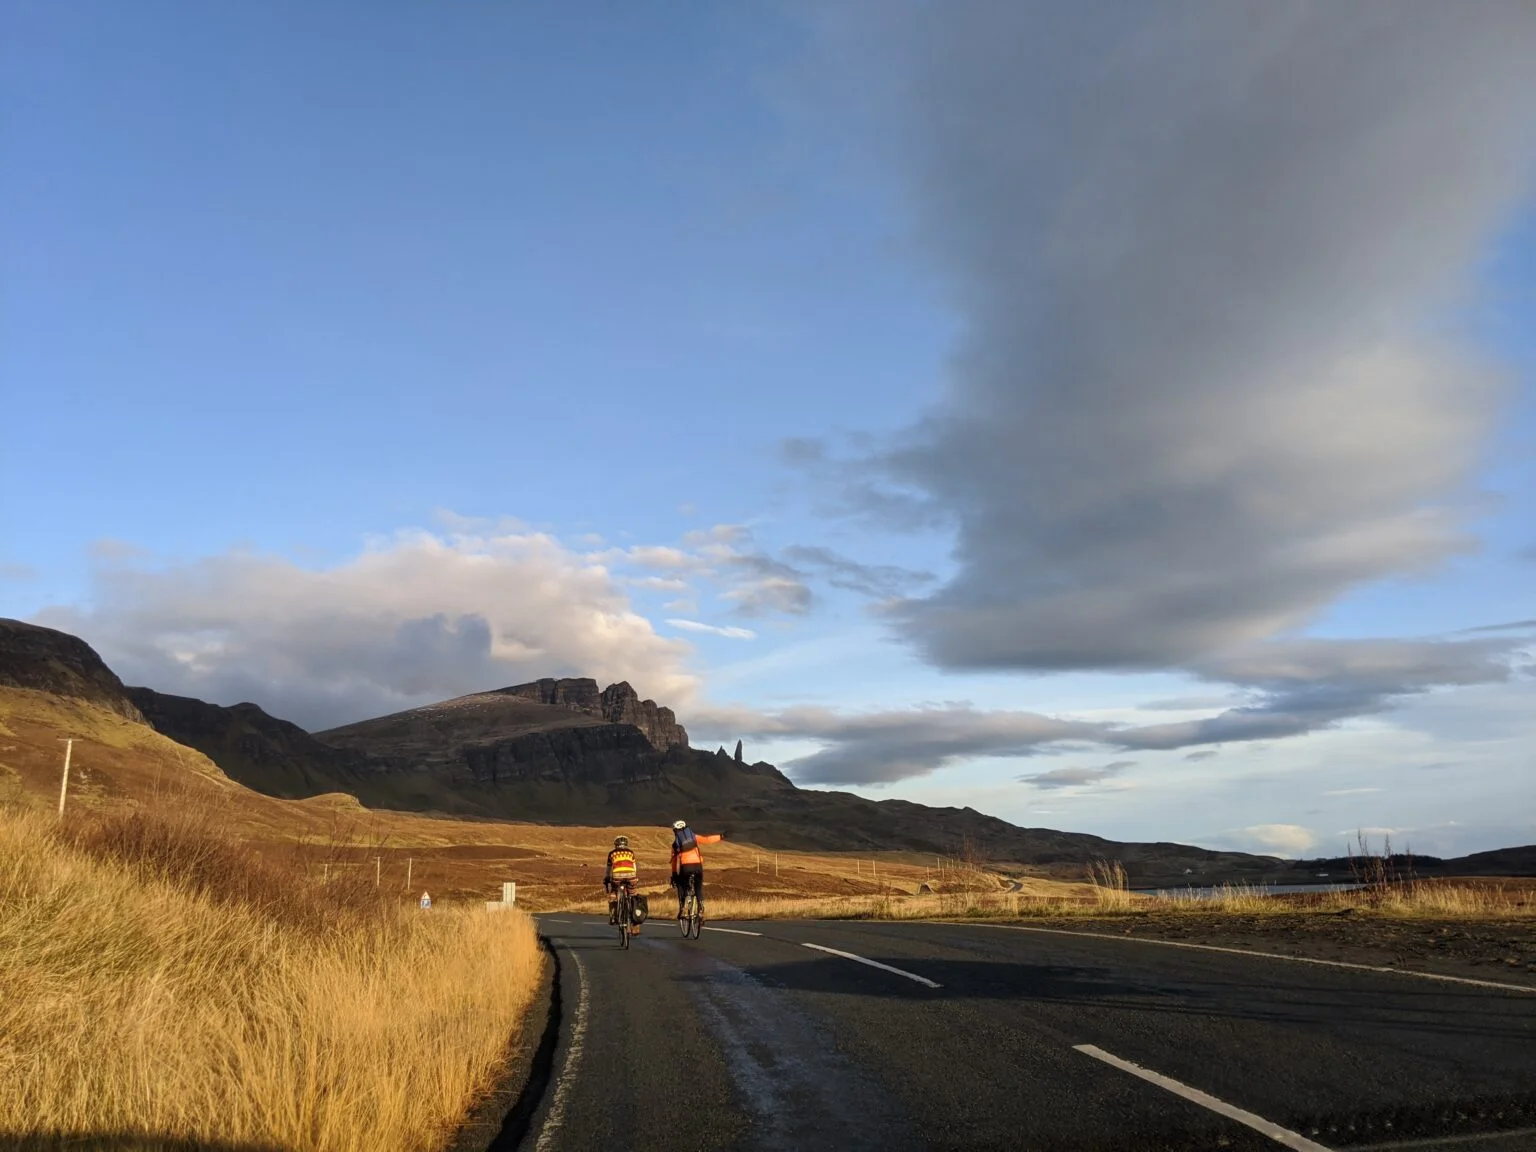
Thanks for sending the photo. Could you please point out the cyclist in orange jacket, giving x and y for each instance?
(688, 862)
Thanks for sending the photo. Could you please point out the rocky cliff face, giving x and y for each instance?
(56, 662)
(617, 704)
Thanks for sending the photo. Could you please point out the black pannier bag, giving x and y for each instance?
(642, 908)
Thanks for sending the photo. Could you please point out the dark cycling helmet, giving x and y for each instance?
(621, 841)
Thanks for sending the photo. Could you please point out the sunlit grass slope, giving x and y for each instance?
(161, 983)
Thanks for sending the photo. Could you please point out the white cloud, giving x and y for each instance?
(658, 556)
(729, 632)
(413, 619)
(1279, 839)
(659, 583)
(1350, 791)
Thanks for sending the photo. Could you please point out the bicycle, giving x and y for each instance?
(624, 909)
(692, 920)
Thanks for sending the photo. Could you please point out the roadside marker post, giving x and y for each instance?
(69, 746)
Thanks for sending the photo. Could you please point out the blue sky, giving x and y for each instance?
(997, 398)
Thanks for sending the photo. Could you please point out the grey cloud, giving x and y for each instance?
(1077, 777)
(883, 747)
(1512, 626)
(1186, 703)
(802, 450)
(1197, 252)
(1298, 687)
(878, 580)
(765, 585)
(1203, 754)
(1306, 685)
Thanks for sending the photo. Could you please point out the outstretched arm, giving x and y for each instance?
(710, 839)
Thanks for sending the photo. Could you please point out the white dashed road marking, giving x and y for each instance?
(1262, 955)
(873, 964)
(732, 931)
(1276, 1133)
(556, 1115)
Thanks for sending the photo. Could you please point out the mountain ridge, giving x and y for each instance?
(561, 751)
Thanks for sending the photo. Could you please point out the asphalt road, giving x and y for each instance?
(773, 1036)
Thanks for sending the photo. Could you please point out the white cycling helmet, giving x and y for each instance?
(679, 825)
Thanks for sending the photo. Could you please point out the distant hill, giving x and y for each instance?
(260, 751)
(565, 752)
(45, 660)
(548, 752)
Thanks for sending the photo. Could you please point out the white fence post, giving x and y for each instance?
(69, 746)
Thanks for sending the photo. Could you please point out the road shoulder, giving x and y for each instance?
(499, 1121)
(1502, 951)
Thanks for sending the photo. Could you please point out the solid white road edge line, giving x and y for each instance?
(873, 964)
(1276, 1133)
(1261, 955)
(555, 1117)
(732, 931)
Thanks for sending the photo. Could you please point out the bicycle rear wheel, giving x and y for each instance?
(623, 919)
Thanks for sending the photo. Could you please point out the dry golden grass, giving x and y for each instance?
(120, 765)
(1041, 899)
(138, 1003)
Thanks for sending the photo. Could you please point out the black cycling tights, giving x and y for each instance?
(684, 873)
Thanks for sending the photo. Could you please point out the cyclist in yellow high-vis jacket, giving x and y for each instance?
(622, 869)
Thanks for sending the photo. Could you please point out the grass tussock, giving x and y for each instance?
(158, 983)
(1111, 885)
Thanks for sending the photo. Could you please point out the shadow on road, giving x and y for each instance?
(1445, 1011)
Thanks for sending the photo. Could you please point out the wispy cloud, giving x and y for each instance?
(1077, 777)
(727, 631)
(1350, 791)
(1512, 626)
(1301, 687)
